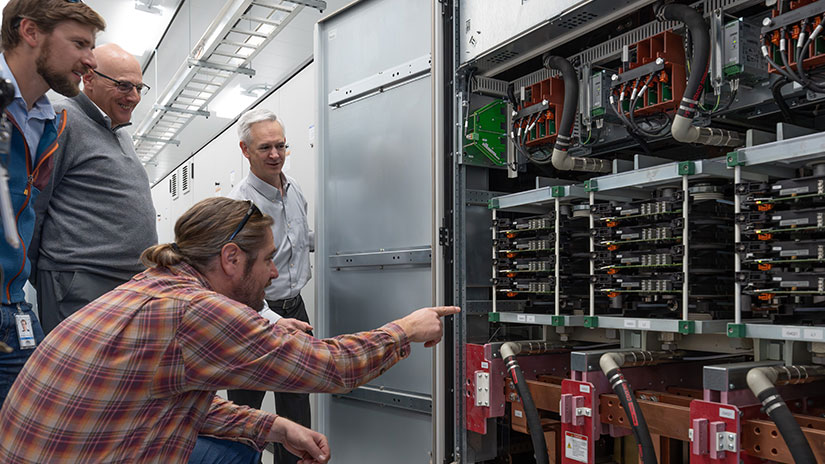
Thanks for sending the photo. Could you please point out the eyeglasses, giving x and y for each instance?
(125, 86)
(280, 148)
(252, 209)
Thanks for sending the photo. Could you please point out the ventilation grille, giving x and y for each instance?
(577, 20)
(535, 78)
(173, 185)
(612, 48)
(490, 86)
(502, 56)
(184, 178)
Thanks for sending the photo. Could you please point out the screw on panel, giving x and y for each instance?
(733, 159)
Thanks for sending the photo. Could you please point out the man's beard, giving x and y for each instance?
(248, 294)
(59, 83)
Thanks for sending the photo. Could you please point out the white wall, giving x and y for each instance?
(220, 165)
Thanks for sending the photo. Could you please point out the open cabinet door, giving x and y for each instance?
(375, 215)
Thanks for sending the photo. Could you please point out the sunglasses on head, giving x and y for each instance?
(252, 209)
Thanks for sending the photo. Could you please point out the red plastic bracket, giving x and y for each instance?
(578, 426)
(476, 362)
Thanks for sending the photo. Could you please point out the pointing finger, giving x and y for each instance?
(446, 310)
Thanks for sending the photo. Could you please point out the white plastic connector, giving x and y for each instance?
(510, 349)
(816, 32)
(760, 379)
(610, 361)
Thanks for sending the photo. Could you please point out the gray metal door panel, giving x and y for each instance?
(375, 215)
(363, 300)
(379, 171)
(489, 23)
(373, 36)
(373, 434)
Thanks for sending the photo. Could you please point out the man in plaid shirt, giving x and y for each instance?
(132, 376)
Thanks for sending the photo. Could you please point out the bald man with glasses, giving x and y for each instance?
(96, 216)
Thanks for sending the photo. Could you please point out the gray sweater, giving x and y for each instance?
(97, 214)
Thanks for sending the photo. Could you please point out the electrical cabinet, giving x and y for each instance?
(636, 227)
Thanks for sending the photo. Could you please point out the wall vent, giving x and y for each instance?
(577, 20)
(173, 186)
(184, 179)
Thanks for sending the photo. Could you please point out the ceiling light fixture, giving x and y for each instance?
(255, 90)
(232, 102)
(148, 6)
(225, 50)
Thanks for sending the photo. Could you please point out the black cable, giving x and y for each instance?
(650, 133)
(530, 411)
(799, 49)
(635, 136)
(634, 100)
(776, 92)
(516, 142)
(511, 95)
(523, 150)
(800, 57)
(784, 56)
(519, 143)
(700, 58)
(727, 105)
(766, 41)
(638, 139)
(638, 425)
(547, 159)
(571, 99)
(778, 411)
(620, 111)
(787, 72)
(659, 129)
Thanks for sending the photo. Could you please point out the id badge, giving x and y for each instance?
(25, 333)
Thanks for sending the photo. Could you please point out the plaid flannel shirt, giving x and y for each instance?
(132, 376)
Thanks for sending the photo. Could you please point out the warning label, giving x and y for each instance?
(575, 446)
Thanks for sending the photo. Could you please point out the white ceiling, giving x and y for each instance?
(161, 59)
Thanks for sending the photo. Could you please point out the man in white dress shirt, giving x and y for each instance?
(263, 143)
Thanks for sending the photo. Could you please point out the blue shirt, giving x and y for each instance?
(31, 122)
